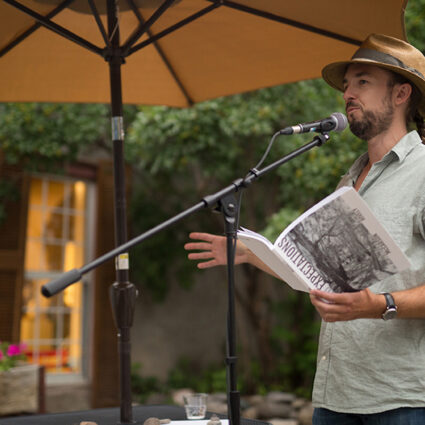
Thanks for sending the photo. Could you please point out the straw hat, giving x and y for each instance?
(388, 53)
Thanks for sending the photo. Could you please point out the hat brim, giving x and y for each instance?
(334, 74)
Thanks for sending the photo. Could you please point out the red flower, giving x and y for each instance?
(14, 350)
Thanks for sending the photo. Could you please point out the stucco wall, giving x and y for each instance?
(189, 323)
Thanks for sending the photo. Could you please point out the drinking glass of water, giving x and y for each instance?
(195, 406)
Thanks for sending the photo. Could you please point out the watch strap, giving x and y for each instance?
(390, 300)
(391, 310)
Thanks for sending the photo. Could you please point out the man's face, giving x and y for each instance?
(367, 95)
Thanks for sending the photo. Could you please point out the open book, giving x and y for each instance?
(338, 245)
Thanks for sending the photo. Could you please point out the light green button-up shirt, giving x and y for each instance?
(372, 365)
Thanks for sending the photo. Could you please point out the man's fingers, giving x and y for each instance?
(208, 237)
(207, 264)
(200, 255)
(198, 246)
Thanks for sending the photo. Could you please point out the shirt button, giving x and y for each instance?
(323, 358)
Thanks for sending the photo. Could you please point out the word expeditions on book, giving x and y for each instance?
(338, 245)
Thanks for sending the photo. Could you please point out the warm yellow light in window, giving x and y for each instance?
(80, 195)
(33, 255)
(55, 243)
(35, 192)
(73, 256)
(34, 223)
(56, 194)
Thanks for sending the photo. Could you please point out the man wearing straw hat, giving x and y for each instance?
(370, 369)
(373, 371)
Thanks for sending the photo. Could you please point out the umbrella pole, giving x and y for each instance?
(122, 293)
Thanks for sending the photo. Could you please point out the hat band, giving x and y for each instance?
(383, 58)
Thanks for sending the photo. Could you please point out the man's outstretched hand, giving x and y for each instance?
(212, 250)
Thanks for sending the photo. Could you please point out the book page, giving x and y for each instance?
(266, 252)
(339, 246)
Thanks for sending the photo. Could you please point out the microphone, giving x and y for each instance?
(336, 122)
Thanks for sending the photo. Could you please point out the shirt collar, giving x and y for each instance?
(406, 145)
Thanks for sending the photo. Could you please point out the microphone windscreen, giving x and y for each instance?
(341, 121)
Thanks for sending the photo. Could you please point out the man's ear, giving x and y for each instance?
(402, 93)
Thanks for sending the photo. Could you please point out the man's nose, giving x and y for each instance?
(348, 94)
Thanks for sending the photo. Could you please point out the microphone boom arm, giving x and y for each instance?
(74, 275)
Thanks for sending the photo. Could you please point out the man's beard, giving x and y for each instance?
(372, 123)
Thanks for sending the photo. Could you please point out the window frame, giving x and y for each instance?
(87, 283)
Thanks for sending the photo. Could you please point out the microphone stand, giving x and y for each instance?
(229, 207)
(124, 302)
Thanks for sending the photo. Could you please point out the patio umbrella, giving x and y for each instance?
(172, 52)
(188, 51)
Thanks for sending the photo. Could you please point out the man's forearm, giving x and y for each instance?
(255, 261)
(410, 303)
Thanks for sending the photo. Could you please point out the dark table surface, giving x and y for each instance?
(109, 416)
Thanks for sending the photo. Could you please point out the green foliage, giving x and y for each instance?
(294, 338)
(42, 136)
(142, 387)
(279, 221)
(154, 260)
(415, 18)
(186, 374)
(8, 193)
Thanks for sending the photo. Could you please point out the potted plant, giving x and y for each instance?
(18, 381)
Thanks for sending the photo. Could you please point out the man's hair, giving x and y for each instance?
(412, 113)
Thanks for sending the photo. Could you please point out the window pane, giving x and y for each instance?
(36, 192)
(55, 194)
(73, 256)
(54, 225)
(45, 327)
(78, 196)
(72, 296)
(34, 223)
(76, 228)
(33, 255)
(54, 257)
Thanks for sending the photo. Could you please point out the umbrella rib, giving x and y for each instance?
(174, 27)
(164, 58)
(34, 27)
(56, 28)
(154, 38)
(287, 21)
(144, 25)
(174, 75)
(99, 23)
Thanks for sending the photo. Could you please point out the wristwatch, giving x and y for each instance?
(391, 310)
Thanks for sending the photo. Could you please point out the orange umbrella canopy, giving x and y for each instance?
(193, 51)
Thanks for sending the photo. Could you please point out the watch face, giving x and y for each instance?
(391, 313)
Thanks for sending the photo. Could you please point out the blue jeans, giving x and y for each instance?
(403, 416)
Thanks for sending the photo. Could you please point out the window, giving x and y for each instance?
(56, 330)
